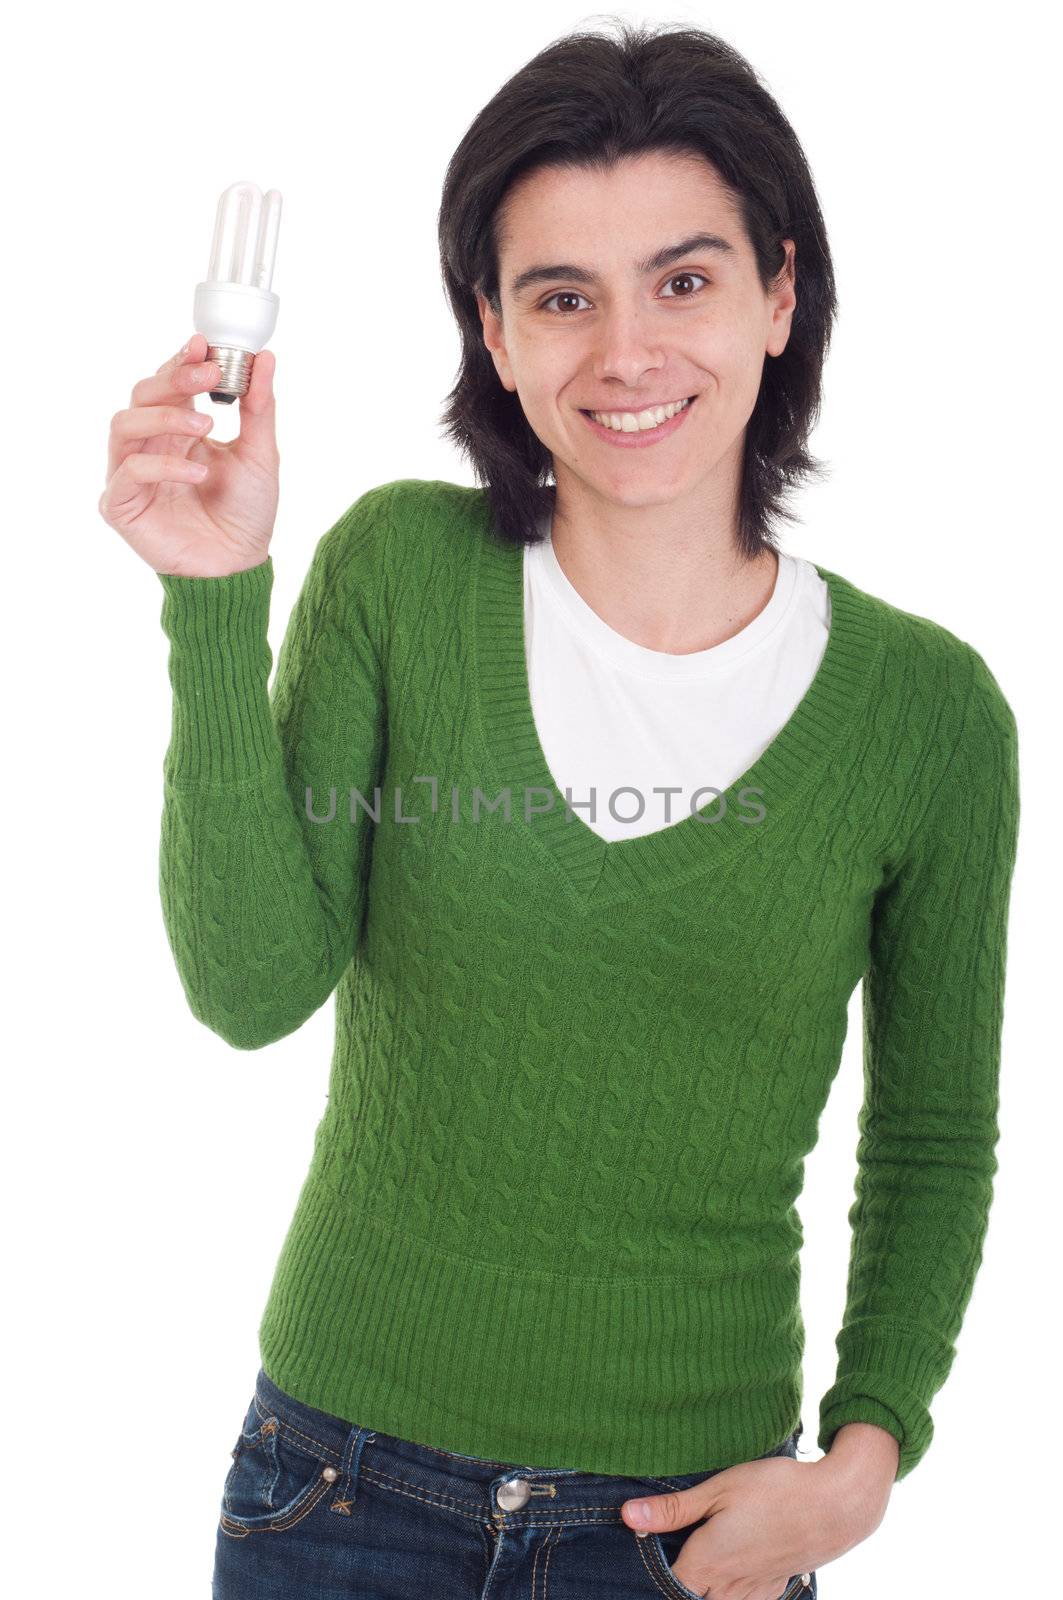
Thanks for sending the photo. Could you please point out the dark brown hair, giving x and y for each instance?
(589, 100)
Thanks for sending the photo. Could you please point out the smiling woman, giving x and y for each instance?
(625, 188)
(545, 1264)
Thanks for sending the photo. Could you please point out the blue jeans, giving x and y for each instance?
(318, 1508)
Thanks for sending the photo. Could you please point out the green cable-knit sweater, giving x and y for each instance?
(550, 1214)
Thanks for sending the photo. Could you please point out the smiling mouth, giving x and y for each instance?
(684, 404)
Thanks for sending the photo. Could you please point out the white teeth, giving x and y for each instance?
(634, 422)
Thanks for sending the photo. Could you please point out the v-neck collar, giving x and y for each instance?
(597, 871)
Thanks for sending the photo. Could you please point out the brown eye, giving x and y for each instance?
(686, 277)
(562, 294)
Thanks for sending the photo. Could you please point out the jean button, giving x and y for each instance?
(513, 1494)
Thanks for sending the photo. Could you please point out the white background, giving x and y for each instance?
(151, 1170)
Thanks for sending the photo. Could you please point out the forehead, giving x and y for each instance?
(627, 210)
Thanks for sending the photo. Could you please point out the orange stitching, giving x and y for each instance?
(385, 1479)
(544, 1544)
(550, 1548)
(289, 1428)
(641, 1545)
(230, 1523)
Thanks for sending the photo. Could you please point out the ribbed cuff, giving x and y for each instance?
(887, 1374)
(219, 668)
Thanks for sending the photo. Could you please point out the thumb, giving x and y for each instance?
(258, 411)
(678, 1508)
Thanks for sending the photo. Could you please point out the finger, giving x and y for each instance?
(658, 1512)
(130, 429)
(154, 388)
(176, 384)
(257, 440)
(138, 470)
(194, 350)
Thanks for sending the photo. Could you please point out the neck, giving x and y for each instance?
(668, 583)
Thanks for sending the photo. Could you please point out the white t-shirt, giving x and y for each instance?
(614, 716)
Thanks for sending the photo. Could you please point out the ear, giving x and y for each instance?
(495, 340)
(783, 302)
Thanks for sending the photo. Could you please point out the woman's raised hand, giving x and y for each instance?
(187, 504)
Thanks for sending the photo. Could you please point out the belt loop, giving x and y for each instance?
(347, 1483)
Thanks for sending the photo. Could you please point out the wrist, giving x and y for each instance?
(862, 1464)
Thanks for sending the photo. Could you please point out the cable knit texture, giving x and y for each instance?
(550, 1212)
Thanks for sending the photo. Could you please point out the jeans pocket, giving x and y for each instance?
(653, 1553)
(276, 1479)
(655, 1558)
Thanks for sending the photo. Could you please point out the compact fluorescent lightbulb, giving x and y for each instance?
(235, 308)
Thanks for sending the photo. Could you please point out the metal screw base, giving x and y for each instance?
(235, 372)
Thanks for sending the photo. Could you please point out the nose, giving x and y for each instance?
(628, 347)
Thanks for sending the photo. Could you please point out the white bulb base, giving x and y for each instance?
(236, 320)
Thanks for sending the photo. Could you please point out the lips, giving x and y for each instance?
(640, 438)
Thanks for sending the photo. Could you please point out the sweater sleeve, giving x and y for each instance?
(262, 903)
(933, 997)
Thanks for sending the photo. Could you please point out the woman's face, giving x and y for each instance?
(591, 322)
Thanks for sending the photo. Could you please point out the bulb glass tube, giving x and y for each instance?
(235, 307)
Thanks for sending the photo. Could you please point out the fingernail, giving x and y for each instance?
(639, 1511)
(186, 348)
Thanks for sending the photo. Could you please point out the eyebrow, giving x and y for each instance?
(654, 263)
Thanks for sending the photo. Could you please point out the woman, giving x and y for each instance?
(545, 1263)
